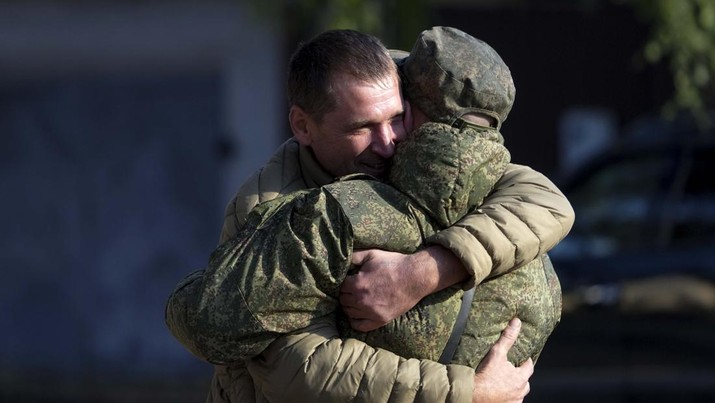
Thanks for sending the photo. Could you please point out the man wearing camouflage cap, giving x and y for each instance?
(453, 78)
(320, 333)
(456, 79)
(450, 74)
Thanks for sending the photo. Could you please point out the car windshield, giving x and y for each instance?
(643, 198)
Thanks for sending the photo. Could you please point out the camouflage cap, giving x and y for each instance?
(449, 73)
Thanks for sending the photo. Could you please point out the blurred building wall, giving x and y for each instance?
(124, 129)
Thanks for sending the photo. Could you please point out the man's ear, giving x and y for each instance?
(418, 117)
(407, 119)
(299, 125)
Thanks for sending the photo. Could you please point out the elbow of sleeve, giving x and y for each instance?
(445, 383)
(569, 218)
(218, 342)
(177, 320)
(475, 258)
(229, 341)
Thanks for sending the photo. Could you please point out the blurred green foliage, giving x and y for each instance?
(683, 36)
(395, 22)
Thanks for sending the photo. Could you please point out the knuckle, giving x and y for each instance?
(498, 349)
(510, 334)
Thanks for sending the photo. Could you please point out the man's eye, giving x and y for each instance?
(359, 131)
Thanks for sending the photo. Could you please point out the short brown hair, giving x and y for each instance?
(316, 62)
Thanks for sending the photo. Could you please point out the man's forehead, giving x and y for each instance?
(358, 97)
(346, 80)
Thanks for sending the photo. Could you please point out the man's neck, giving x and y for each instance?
(313, 173)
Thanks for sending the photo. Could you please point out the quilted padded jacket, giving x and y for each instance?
(552, 218)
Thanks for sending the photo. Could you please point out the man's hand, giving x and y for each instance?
(384, 288)
(389, 284)
(496, 379)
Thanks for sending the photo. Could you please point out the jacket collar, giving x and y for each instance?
(313, 173)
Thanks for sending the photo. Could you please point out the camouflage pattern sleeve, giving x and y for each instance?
(180, 310)
(524, 217)
(282, 270)
(533, 293)
(315, 365)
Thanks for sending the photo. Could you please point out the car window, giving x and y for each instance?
(692, 216)
(615, 202)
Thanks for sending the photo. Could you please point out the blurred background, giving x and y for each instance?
(125, 127)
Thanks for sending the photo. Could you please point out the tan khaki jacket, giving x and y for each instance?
(525, 216)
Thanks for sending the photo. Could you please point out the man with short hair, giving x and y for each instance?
(363, 118)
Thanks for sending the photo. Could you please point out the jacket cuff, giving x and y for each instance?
(474, 256)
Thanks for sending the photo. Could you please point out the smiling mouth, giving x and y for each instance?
(374, 168)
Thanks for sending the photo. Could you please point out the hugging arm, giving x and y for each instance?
(315, 365)
(279, 274)
(524, 217)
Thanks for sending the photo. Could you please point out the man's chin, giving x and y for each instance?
(378, 172)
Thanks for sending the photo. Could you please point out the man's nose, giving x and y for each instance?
(384, 140)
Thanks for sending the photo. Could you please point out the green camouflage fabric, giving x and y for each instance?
(284, 269)
(449, 73)
(533, 293)
(445, 173)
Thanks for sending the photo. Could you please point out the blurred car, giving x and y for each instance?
(638, 274)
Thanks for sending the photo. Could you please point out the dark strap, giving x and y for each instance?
(458, 328)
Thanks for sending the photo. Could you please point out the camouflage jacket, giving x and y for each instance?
(537, 199)
(298, 247)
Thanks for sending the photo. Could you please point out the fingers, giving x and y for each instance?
(359, 257)
(360, 318)
(364, 325)
(527, 367)
(352, 308)
(508, 337)
(512, 330)
(347, 288)
(528, 364)
(353, 312)
(525, 371)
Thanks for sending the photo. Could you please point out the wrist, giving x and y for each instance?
(443, 267)
(424, 272)
(478, 391)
